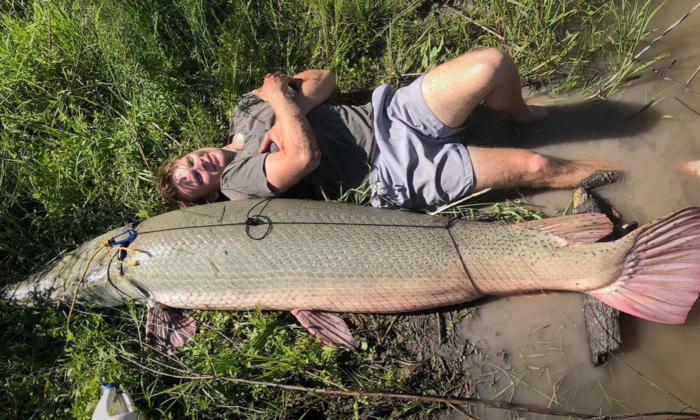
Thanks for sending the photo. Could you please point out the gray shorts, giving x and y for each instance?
(419, 162)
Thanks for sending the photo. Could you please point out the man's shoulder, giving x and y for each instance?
(251, 116)
(246, 106)
(245, 177)
(247, 103)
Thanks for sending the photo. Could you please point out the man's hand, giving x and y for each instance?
(273, 86)
(313, 87)
(272, 136)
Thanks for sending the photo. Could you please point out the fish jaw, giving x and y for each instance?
(29, 293)
(86, 275)
(56, 282)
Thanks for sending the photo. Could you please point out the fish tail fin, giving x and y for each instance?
(660, 275)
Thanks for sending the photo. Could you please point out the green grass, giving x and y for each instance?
(95, 94)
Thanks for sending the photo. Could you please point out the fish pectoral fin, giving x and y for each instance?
(575, 229)
(327, 327)
(168, 328)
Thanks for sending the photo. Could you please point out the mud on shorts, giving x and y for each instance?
(419, 162)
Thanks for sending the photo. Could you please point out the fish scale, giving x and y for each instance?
(360, 272)
(508, 259)
(321, 278)
(308, 256)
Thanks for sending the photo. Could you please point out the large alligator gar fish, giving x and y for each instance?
(314, 258)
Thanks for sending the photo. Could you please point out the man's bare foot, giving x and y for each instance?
(530, 114)
(692, 167)
(538, 112)
(586, 173)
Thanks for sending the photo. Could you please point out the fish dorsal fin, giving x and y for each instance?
(327, 327)
(168, 328)
(575, 229)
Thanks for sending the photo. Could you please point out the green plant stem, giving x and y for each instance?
(423, 398)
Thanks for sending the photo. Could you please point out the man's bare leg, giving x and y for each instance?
(453, 89)
(500, 168)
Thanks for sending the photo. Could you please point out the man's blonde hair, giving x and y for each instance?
(166, 184)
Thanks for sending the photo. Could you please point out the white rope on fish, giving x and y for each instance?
(462, 200)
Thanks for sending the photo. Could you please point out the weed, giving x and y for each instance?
(94, 95)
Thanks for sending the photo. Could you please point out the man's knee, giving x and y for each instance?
(536, 164)
(492, 61)
(495, 57)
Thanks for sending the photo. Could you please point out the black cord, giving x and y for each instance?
(450, 222)
(254, 220)
(258, 219)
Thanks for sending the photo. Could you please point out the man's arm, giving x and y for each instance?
(313, 88)
(300, 155)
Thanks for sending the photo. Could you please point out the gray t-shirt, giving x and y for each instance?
(343, 134)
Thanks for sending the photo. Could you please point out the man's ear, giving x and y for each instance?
(211, 198)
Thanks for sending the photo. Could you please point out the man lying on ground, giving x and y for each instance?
(286, 144)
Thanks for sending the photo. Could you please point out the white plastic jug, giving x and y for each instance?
(115, 405)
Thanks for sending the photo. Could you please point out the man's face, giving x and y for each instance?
(197, 175)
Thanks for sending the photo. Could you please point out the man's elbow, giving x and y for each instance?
(320, 76)
(328, 75)
(304, 160)
(284, 169)
(312, 158)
